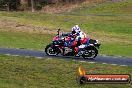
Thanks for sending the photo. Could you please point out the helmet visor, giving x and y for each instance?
(73, 32)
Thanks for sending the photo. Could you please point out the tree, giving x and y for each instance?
(32, 5)
(9, 4)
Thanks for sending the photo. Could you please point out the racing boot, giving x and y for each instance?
(80, 52)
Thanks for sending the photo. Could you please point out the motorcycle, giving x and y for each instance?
(57, 47)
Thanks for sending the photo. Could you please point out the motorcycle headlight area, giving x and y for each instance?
(97, 42)
(55, 42)
(91, 41)
(59, 42)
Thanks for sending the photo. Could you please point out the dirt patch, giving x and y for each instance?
(60, 8)
(10, 25)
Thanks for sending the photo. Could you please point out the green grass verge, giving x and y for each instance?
(108, 8)
(21, 72)
(114, 24)
(24, 40)
(116, 49)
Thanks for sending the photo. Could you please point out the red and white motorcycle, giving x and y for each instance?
(57, 47)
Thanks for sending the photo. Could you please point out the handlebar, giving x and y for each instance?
(58, 32)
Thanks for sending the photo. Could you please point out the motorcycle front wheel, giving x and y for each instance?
(49, 50)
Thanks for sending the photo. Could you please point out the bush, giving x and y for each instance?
(39, 7)
(22, 7)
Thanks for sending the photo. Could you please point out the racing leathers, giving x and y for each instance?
(80, 37)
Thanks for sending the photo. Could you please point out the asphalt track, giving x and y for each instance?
(123, 61)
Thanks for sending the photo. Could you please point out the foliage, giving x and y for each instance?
(14, 4)
(11, 4)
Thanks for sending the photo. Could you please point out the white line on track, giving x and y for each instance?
(120, 56)
(49, 58)
(91, 62)
(81, 61)
(15, 55)
(72, 60)
(123, 65)
(105, 56)
(104, 63)
(28, 56)
(8, 54)
(112, 56)
(113, 64)
(39, 57)
(115, 57)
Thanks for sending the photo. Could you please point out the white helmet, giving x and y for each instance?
(75, 29)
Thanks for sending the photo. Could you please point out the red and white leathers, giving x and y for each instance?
(82, 38)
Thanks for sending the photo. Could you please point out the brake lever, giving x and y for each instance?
(64, 40)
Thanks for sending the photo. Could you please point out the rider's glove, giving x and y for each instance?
(65, 45)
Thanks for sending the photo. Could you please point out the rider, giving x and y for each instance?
(79, 37)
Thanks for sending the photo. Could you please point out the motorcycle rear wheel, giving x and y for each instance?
(90, 53)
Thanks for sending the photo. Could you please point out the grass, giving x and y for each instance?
(117, 49)
(24, 40)
(22, 72)
(107, 8)
(118, 24)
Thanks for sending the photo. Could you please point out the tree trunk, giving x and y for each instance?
(7, 7)
(32, 5)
